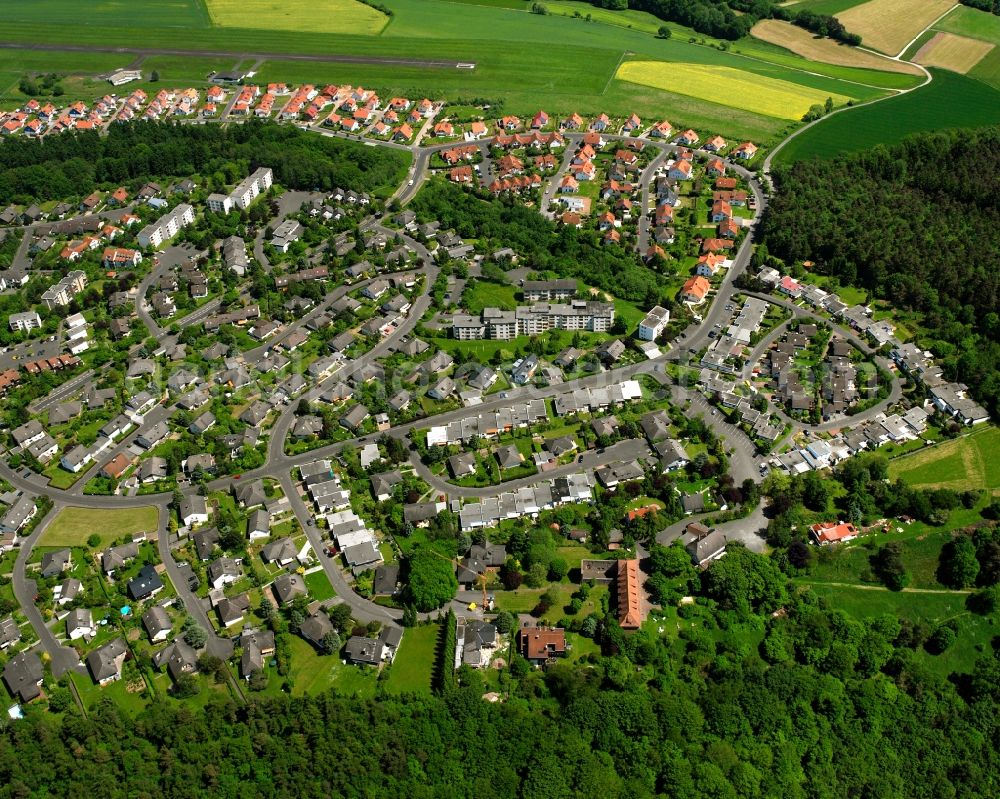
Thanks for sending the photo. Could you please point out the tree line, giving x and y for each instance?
(915, 224)
(733, 19)
(74, 164)
(760, 689)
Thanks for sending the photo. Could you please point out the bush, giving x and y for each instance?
(941, 640)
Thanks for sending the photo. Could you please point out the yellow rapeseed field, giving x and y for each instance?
(890, 25)
(318, 16)
(957, 53)
(728, 86)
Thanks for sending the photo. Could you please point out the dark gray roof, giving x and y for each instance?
(145, 583)
(54, 563)
(386, 579)
(205, 541)
(22, 674)
(316, 627)
(364, 650)
(104, 662)
(289, 586)
(156, 620)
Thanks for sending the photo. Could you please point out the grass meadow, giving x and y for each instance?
(73, 526)
(109, 13)
(966, 463)
(975, 24)
(414, 663)
(332, 16)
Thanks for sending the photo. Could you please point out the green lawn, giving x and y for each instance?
(319, 586)
(90, 693)
(60, 478)
(414, 663)
(73, 526)
(483, 294)
(968, 462)
(313, 673)
(950, 101)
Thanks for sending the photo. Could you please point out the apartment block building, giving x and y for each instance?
(167, 226)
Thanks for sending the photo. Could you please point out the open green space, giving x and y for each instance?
(313, 673)
(319, 586)
(971, 22)
(413, 666)
(974, 632)
(483, 294)
(949, 101)
(824, 6)
(335, 16)
(110, 13)
(73, 526)
(975, 24)
(131, 702)
(965, 463)
(921, 550)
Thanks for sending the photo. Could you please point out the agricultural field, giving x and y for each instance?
(332, 16)
(823, 6)
(73, 526)
(803, 43)
(890, 25)
(966, 463)
(974, 24)
(109, 13)
(950, 101)
(950, 51)
(758, 94)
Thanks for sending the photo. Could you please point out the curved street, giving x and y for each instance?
(744, 462)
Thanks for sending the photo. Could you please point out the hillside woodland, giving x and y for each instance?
(916, 224)
(740, 704)
(74, 164)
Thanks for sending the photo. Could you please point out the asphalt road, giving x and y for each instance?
(63, 658)
(743, 464)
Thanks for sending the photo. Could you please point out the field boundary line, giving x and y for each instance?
(614, 72)
(910, 43)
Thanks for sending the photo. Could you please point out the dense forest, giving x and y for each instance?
(565, 251)
(74, 164)
(741, 702)
(916, 224)
(733, 19)
(993, 6)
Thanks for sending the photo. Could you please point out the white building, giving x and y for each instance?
(654, 323)
(27, 320)
(167, 226)
(243, 194)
